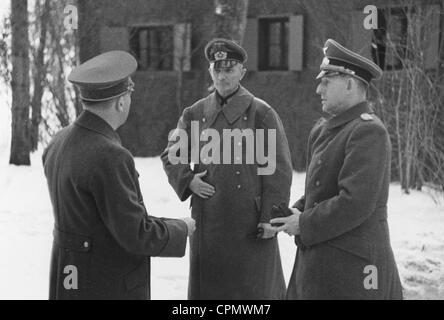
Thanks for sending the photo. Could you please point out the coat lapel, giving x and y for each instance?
(237, 105)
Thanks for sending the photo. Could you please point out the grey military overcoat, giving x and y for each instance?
(344, 241)
(227, 262)
(101, 225)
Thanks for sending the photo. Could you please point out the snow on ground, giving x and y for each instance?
(416, 224)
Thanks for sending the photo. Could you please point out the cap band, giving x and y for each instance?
(224, 55)
(358, 71)
(97, 94)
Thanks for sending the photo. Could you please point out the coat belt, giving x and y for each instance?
(72, 241)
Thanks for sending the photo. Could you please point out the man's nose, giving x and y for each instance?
(221, 75)
(319, 89)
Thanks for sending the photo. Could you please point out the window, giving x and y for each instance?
(273, 43)
(153, 46)
(390, 40)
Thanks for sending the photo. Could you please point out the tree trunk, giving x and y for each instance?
(39, 77)
(20, 147)
(230, 19)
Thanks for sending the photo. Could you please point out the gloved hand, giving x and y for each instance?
(265, 231)
(280, 211)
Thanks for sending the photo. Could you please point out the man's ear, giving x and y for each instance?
(243, 71)
(120, 104)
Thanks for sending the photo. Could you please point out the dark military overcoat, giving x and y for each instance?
(226, 260)
(344, 241)
(101, 225)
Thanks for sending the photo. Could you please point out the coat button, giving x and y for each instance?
(239, 186)
(318, 183)
(203, 119)
(245, 118)
(86, 244)
(238, 173)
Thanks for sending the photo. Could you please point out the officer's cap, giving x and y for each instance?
(105, 76)
(224, 53)
(339, 59)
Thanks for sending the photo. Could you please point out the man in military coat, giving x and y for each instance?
(103, 236)
(340, 224)
(229, 259)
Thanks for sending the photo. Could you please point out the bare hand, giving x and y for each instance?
(200, 187)
(290, 224)
(191, 225)
(269, 232)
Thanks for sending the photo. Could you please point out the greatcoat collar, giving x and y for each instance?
(348, 115)
(90, 121)
(232, 110)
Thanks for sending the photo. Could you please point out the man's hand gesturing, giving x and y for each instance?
(200, 187)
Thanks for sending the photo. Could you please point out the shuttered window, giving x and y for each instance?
(274, 43)
(153, 47)
(390, 38)
(161, 47)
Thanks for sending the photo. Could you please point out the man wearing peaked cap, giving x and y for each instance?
(340, 60)
(230, 259)
(340, 223)
(103, 235)
(104, 77)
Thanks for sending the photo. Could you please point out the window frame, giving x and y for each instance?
(134, 31)
(264, 24)
(379, 37)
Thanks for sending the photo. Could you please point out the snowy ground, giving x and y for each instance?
(416, 222)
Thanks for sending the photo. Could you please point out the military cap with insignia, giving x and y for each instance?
(340, 60)
(105, 76)
(224, 53)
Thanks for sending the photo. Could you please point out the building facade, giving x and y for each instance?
(283, 38)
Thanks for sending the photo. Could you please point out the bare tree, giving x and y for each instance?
(20, 148)
(39, 70)
(416, 94)
(230, 19)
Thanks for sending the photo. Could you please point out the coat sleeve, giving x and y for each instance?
(359, 182)
(116, 193)
(179, 173)
(276, 186)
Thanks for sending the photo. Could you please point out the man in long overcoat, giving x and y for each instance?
(229, 201)
(342, 234)
(103, 236)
